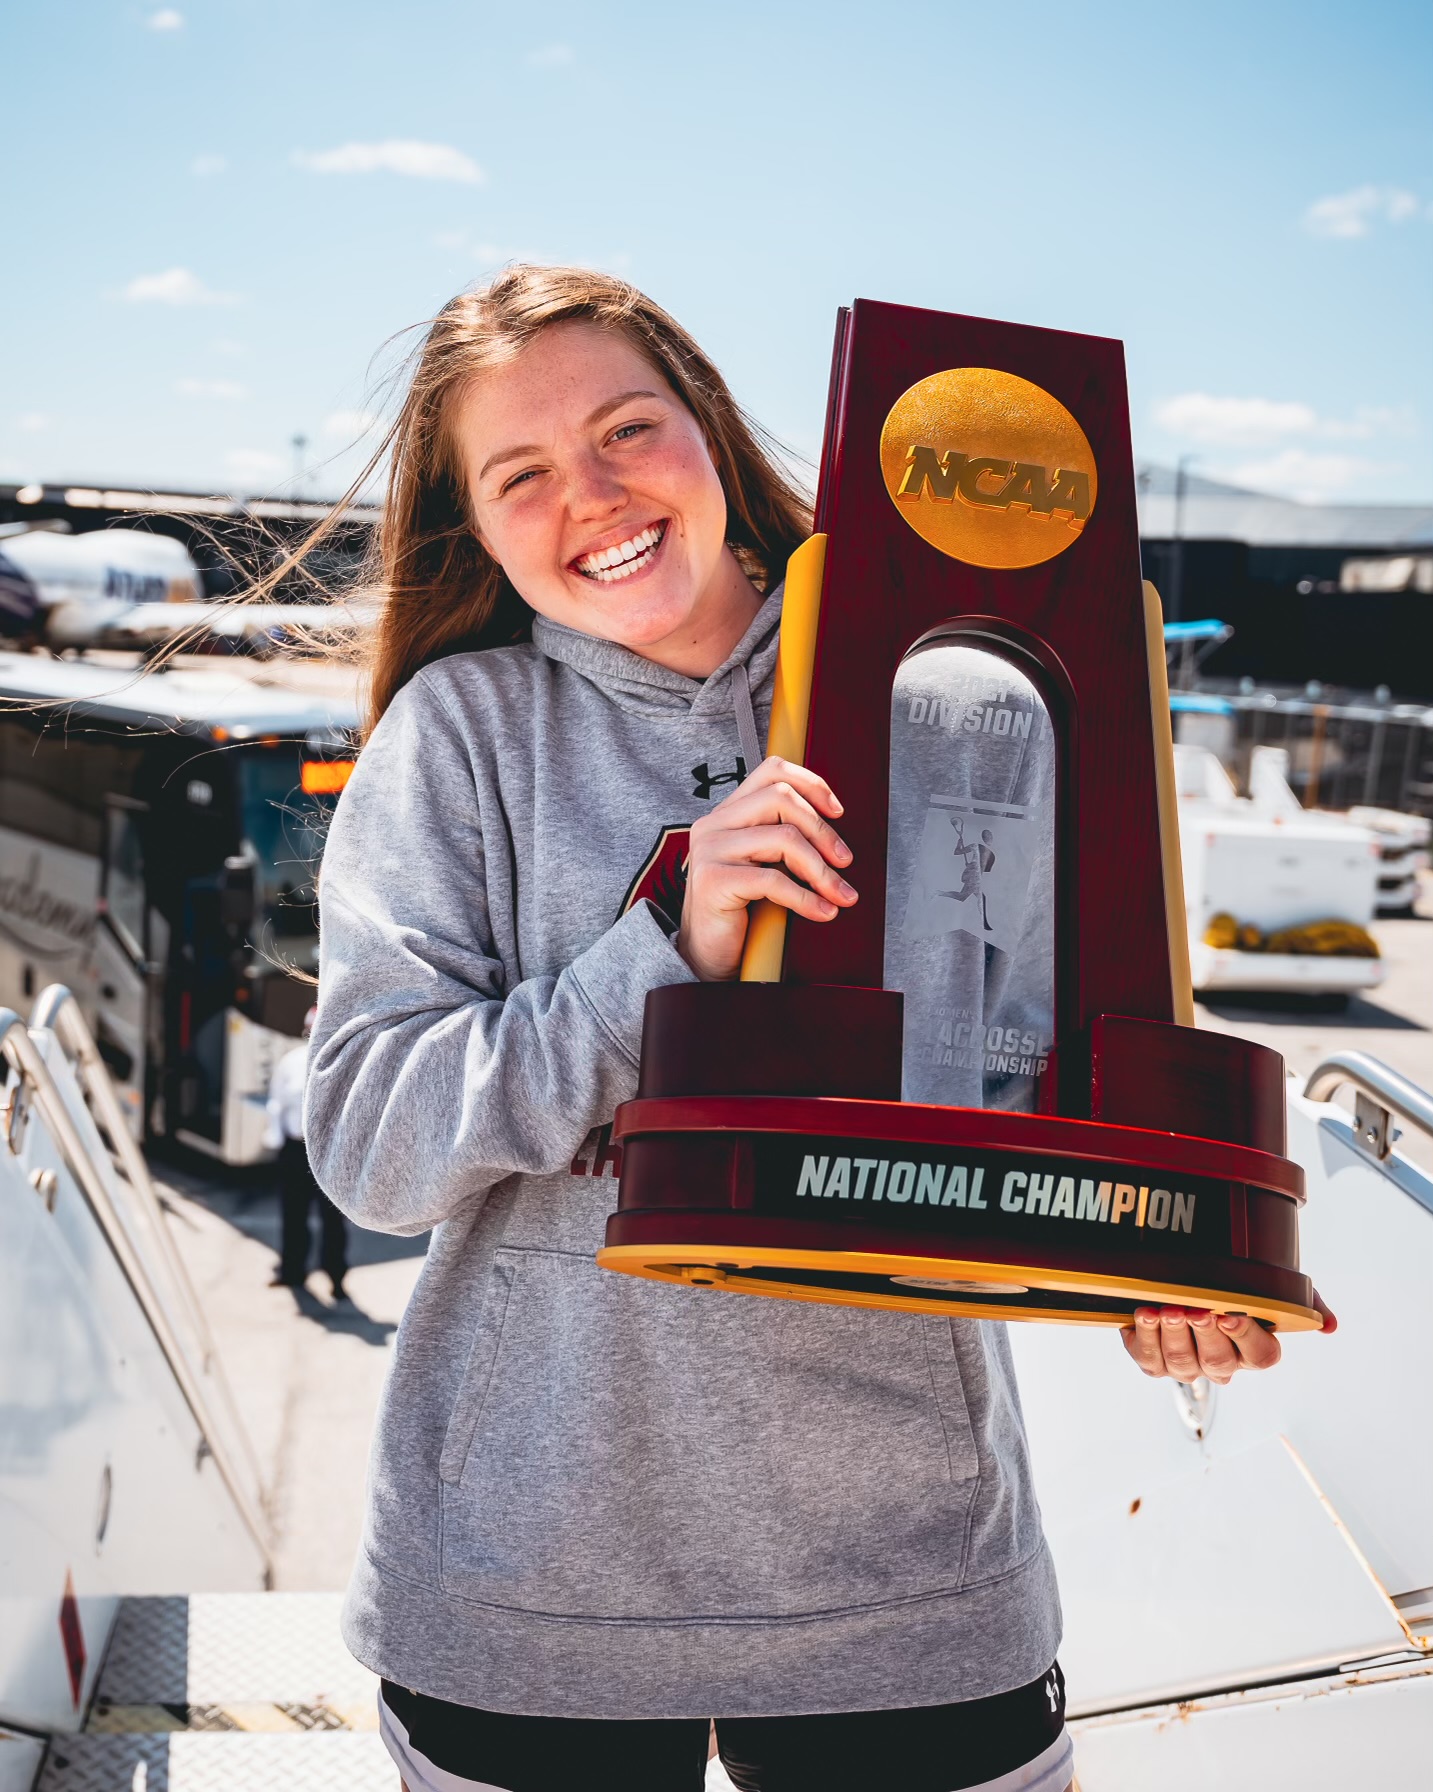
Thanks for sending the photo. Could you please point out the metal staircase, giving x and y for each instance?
(124, 1467)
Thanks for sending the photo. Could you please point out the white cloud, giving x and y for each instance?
(253, 463)
(175, 286)
(1256, 422)
(166, 19)
(1201, 417)
(398, 155)
(205, 166)
(1355, 213)
(226, 389)
(227, 345)
(349, 424)
(1311, 477)
(32, 422)
(551, 56)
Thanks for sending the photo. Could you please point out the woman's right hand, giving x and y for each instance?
(771, 832)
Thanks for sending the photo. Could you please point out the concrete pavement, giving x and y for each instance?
(306, 1372)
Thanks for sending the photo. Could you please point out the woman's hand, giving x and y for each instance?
(770, 839)
(1187, 1342)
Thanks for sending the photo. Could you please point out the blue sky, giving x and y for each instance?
(222, 209)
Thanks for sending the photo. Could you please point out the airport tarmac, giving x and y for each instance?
(307, 1372)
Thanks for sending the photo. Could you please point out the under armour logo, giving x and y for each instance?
(706, 780)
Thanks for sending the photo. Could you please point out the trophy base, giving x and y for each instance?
(768, 1152)
(963, 1288)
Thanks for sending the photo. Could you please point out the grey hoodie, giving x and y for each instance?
(594, 1496)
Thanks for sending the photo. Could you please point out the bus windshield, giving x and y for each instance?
(283, 829)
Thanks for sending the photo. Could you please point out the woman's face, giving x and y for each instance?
(593, 486)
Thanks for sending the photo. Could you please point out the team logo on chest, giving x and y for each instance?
(662, 881)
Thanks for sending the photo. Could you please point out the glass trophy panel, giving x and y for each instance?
(970, 878)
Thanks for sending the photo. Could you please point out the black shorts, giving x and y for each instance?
(1013, 1742)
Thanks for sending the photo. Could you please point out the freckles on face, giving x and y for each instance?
(593, 487)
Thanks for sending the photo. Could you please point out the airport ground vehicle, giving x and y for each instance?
(1343, 754)
(1403, 853)
(158, 837)
(1268, 864)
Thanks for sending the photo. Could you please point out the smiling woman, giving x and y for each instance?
(603, 1511)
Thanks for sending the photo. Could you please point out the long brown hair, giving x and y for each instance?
(438, 589)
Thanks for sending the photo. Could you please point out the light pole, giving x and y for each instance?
(1176, 565)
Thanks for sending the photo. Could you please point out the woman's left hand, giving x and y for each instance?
(1187, 1342)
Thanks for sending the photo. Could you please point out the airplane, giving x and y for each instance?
(129, 588)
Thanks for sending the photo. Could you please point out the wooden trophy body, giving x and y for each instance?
(971, 661)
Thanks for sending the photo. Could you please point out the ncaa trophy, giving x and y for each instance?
(980, 1091)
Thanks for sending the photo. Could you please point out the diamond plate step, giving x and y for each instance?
(227, 1692)
(229, 1763)
(223, 1649)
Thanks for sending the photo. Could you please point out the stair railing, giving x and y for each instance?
(57, 1011)
(34, 1085)
(1380, 1092)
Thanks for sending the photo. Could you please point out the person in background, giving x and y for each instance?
(298, 1191)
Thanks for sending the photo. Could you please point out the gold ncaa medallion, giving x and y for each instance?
(988, 468)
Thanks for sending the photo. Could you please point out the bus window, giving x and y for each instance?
(970, 935)
(122, 887)
(283, 827)
(55, 773)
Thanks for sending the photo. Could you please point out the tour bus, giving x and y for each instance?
(159, 839)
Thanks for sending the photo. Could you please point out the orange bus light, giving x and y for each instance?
(325, 777)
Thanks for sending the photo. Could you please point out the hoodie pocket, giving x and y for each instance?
(624, 1450)
(467, 1409)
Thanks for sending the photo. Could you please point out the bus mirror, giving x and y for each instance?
(236, 893)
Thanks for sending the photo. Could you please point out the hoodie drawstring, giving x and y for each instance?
(746, 719)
